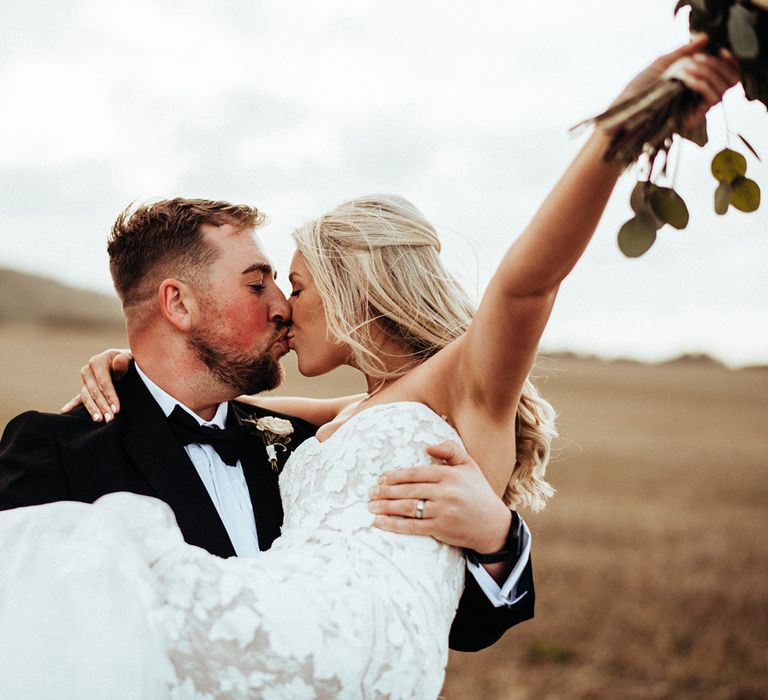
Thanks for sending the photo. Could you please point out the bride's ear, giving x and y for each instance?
(178, 304)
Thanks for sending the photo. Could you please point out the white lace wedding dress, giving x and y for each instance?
(106, 600)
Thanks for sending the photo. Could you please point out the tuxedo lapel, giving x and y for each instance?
(263, 486)
(159, 456)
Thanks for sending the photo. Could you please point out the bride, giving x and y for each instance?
(109, 598)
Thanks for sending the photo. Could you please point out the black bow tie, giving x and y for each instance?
(229, 442)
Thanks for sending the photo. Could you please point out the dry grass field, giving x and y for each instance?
(651, 561)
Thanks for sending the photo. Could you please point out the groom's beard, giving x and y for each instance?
(246, 374)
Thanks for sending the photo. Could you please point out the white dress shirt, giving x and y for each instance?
(225, 484)
(228, 490)
(506, 594)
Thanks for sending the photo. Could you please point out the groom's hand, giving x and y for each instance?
(460, 507)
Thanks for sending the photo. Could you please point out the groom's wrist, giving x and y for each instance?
(507, 549)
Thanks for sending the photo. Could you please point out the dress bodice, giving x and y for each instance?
(325, 485)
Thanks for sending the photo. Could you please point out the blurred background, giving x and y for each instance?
(651, 561)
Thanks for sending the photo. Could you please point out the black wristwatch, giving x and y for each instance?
(511, 549)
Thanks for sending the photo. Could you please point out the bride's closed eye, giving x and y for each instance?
(295, 292)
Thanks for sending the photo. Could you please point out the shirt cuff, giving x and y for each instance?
(506, 594)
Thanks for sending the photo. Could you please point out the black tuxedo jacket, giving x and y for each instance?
(49, 457)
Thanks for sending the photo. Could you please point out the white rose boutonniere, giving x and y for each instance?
(275, 433)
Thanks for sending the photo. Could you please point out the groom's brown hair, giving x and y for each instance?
(164, 238)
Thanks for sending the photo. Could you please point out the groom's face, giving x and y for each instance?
(241, 331)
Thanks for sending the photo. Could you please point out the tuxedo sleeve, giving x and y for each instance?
(479, 622)
(30, 467)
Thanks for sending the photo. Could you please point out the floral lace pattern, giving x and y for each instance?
(337, 608)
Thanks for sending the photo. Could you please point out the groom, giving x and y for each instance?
(206, 322)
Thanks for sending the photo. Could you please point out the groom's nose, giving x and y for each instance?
(279, 308)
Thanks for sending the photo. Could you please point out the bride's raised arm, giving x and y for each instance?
(498, 351)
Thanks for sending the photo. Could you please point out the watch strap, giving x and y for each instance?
(511, 550)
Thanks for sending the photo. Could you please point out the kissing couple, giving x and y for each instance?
(138, 595)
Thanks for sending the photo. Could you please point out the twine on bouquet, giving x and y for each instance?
(642, 128)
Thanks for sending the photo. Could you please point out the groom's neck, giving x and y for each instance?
(185, 378)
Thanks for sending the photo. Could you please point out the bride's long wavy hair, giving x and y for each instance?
(376, 264)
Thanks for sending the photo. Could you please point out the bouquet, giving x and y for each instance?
(642, 127)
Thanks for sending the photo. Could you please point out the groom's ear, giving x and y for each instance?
(177, 304)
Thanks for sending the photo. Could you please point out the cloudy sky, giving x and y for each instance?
(463, 107)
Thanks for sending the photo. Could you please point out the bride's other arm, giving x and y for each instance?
(314, 411)
(99, 397)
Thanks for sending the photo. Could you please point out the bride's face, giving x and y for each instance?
(308, 335)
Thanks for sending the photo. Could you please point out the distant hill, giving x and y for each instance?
(26, 297)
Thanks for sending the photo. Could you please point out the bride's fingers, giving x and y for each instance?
(427, 474)
(74, 402)
(449, 452)
(726, 71)
(90, 405)
(707, 83)
(102, 370)
(417, 490)
(404, 508)
(93, 397)
(403, 526)
(697, 78)
(696, 44)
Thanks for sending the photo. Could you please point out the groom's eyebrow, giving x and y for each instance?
(260, 267)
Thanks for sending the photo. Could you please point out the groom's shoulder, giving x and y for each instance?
(41, 426)
(40, 453)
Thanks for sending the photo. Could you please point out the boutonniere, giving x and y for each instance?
(275, 434)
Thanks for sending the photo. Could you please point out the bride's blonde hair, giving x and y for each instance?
(376, 264)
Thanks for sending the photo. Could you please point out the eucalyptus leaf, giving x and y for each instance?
(728, 164)
(637, 235)
(723, 195)
(638, 200)
(741, 32)
(746, 194)
(669, 206)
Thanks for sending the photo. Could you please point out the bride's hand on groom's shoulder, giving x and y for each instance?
(97, 391)
(460, 507)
